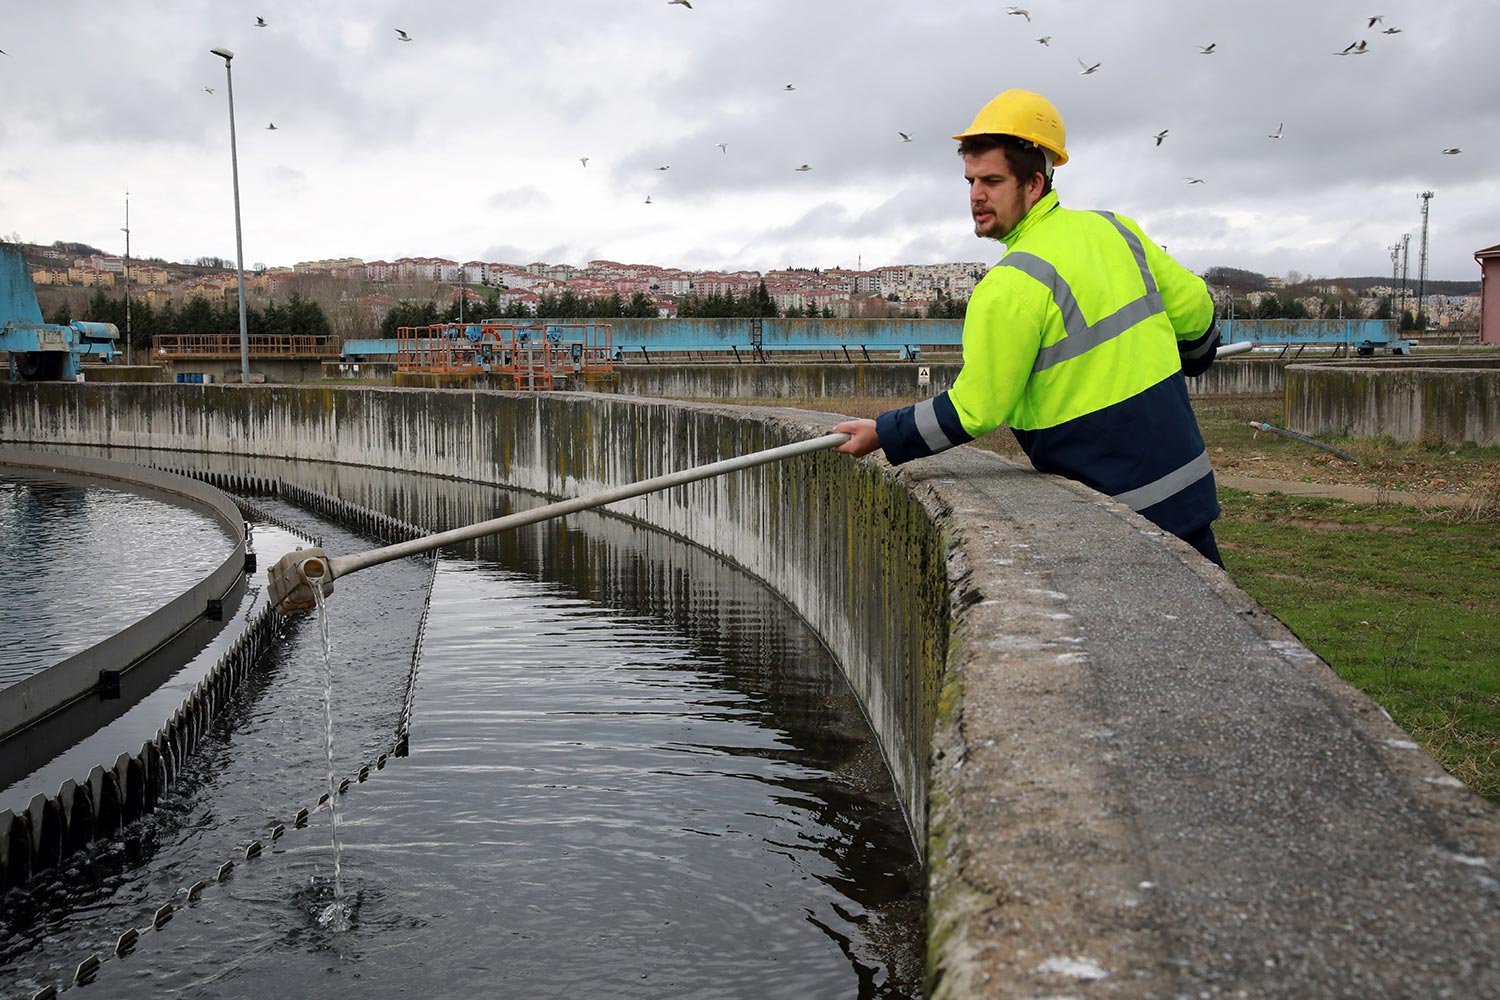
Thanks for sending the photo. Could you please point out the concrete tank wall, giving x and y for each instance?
(879, 380)
(1130, 780)
(1456, 401)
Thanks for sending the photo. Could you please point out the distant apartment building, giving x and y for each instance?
(332, 264)
(49, 276)
(382, 270)
(90, 277)
(148, 276)
(115, 265)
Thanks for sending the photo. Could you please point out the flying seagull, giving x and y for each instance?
(402, 36)
(1160, 136)
(682, 2)
(803, 167)
(664, 168)
(648, 199)
(260, 22)
(904, 136)
(723, 146)
(271, 127)
(1193, 180)
(584, 160)
(1020, 12)
(1045, 40)
(1374, 20)
(789, 87)
(1361, 48)
(1208, 49)
(1452, 151)
(1276, 134)
(1087, 69)
(208, 90)
(1391, 31)
(1347, 49)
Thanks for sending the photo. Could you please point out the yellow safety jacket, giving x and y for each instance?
(1078, 339)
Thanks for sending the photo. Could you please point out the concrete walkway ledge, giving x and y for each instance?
(1129, 780)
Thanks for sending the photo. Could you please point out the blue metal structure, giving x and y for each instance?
(43, 351)
(1360, 336)
(749, 339)
(753, 339)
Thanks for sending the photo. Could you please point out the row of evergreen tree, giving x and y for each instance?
(200, 316)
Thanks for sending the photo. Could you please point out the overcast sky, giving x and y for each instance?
(465, 141)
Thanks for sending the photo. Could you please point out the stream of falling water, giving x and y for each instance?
(336, 915)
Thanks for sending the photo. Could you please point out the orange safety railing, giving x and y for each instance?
(261, 345)
(536, 354)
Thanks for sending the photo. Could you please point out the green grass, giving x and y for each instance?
(1404, 605)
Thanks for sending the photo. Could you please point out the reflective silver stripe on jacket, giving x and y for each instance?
(1167, 486)
(1200, 350)
(925, 414)
(1081, 335)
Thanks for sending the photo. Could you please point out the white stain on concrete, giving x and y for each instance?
(1073, 967)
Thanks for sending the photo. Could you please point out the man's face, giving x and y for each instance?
(997, 200)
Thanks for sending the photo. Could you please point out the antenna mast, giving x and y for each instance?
(1426, 197)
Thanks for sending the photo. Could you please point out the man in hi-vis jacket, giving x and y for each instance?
(1078, 339)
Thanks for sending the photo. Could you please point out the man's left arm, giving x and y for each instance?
(1188, 305)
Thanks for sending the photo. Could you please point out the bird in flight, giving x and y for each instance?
(802, 168)
(789, 87)
(1361, 48)
(1019, 12)
(1087, 69)
(271, 127)
(1160, 136)
(648, 199)
(1193, 180)
(402, 36)
(260, 22)
(1208, 49)
(1452, 151)
(1391, 31)
(905, 137)
(208, 90)
(723, 146)
(1374, 20)
(1276, 134)
(584, 160)
(664, 168)
(683, 3)
(1045, 40)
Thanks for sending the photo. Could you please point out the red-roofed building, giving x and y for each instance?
(1489, 294)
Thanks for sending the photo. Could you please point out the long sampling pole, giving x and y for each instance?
(293, 577)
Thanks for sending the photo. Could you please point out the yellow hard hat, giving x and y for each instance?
(1026, 116)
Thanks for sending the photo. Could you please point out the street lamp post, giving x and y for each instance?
(239, 247)
(129, 359)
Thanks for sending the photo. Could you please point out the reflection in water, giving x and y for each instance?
(55, 535)
(633, 773)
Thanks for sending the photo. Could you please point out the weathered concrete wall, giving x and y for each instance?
(1132, 781)
(879, 380)
(1455, 400)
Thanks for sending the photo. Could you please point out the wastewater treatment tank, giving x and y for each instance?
(630, 771)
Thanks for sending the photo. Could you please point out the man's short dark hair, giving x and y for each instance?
(1025, 159)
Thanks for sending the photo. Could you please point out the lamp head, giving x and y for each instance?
(224, 54)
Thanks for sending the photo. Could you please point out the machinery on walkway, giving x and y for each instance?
(536, 355)
(44, 351)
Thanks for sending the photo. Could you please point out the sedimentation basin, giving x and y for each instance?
(1127, 778)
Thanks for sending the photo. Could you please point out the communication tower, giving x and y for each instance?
(1426, 197)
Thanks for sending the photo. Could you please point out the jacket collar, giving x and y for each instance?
(1044, 206)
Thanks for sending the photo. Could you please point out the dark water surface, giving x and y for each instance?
(633, 772)
(54, 539)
